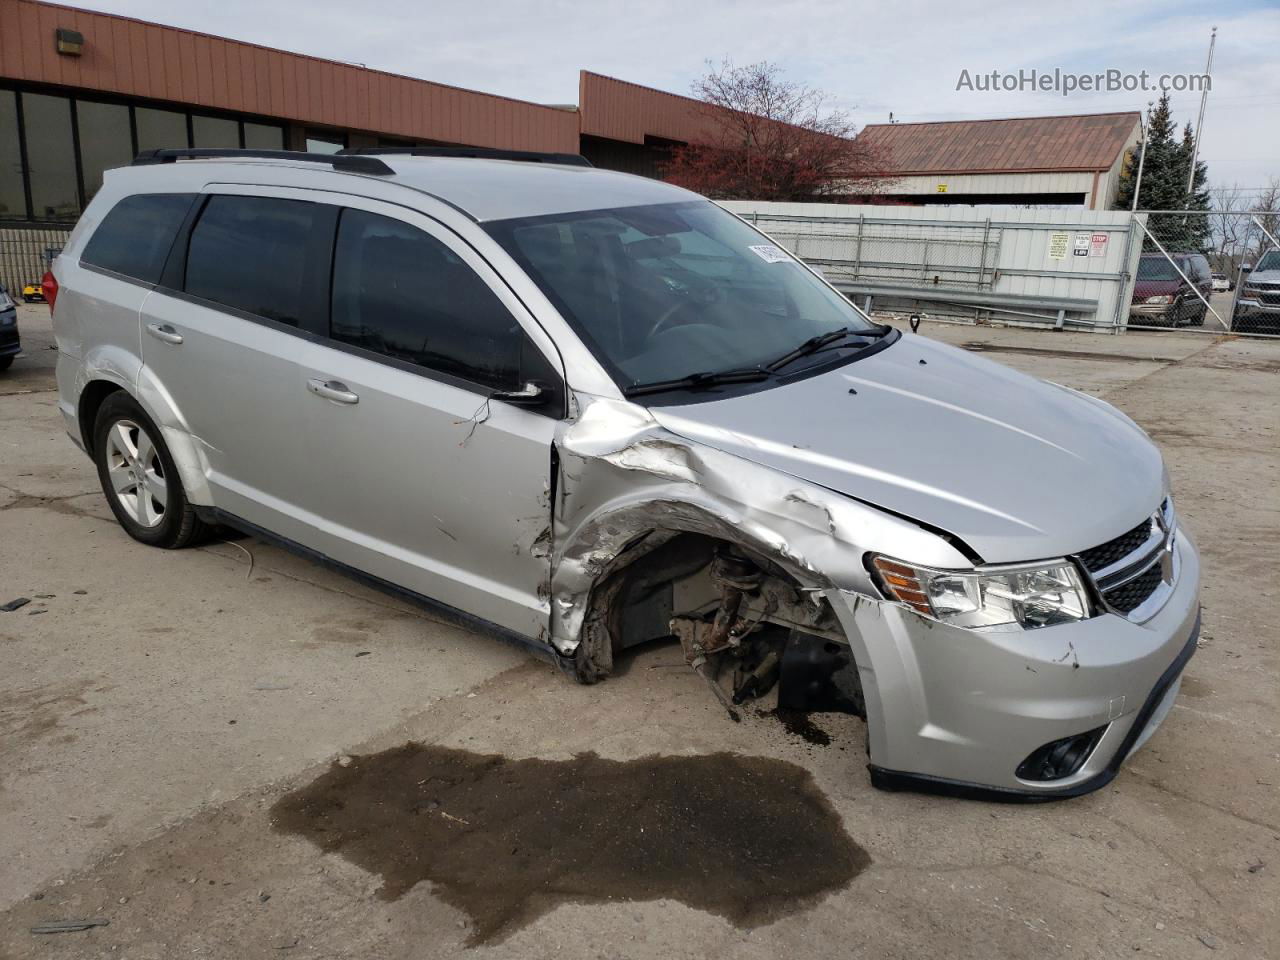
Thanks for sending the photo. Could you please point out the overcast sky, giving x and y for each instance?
(904, 56)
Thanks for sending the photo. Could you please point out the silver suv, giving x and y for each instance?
(585, 410)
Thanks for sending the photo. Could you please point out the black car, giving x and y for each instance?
(10, 345)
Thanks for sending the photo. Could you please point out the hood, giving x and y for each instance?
(1017, 468)
(1263, 276)
(1155, 288)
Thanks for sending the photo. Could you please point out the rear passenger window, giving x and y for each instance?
(135, 236)
(400, 292)
(251, 253)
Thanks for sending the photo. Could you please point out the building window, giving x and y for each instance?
(325, 142)
(13, 195)
(215, 132)
(263, 136)
(51, 157)
(160, 129)
(54, 152)
(105, 141)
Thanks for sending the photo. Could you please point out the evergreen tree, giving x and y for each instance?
(1164, 183)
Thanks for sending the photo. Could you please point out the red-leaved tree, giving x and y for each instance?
(768, 138)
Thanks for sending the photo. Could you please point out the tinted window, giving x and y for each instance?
(135, 237)
(50, 157)
(402, 293)
(105, 141)
(215, 132)
(251, 253)
(13, 200)
(160, 129)
(261, 136)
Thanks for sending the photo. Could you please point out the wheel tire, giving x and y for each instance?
(5, 363)
(139, 477)
(1198, 319)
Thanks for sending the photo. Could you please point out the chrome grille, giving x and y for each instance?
(1135, 572)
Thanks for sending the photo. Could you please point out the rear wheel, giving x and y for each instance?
(6, 363)
(139, 477)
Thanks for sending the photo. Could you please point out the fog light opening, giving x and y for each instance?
(1060, 758)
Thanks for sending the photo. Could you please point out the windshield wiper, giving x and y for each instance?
(821, 341)
(694, 381)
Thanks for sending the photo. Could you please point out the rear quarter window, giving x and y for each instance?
(135, 236)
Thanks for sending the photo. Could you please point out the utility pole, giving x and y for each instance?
(1204, 96)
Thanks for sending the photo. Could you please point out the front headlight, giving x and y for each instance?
(6, 301)
(1162, 299)
(1251, 293)
(1032, 596)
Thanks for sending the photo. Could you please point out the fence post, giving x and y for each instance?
(857, 250)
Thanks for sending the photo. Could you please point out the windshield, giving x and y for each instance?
(1158, 268)
(661, 292)
(1269, 262)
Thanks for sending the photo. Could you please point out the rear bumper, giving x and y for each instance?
(957, 711)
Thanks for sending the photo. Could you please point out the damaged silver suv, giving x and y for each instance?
(587, 410)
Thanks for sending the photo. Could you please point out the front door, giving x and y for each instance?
(423, 477)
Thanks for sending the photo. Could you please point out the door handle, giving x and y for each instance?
(332, 390)
(162, 331)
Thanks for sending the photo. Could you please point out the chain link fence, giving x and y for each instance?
(25, 254)
(1215, 271)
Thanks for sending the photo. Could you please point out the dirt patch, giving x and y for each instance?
(747, 838)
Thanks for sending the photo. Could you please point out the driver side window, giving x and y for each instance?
(401, 293)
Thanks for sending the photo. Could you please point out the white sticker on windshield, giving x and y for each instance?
(771, 254)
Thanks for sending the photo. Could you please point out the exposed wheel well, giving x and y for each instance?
(91, 400)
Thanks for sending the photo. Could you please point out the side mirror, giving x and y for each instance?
(1246, 268)
(530, 395)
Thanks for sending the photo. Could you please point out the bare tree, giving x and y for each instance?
(769, 138)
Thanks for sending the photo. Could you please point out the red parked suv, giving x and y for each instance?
(1162, 297)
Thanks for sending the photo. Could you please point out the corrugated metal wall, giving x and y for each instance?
(1021, 252)
(133, 58)
(626, 111)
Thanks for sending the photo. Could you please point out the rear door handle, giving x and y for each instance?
(162, 331)
(332, 390)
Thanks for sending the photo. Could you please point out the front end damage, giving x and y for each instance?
(761, 577)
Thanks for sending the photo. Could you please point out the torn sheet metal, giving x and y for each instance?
(626, 484)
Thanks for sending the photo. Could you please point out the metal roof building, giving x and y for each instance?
(1069, 160)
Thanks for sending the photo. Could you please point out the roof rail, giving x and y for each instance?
(475, 153)
(344, 163)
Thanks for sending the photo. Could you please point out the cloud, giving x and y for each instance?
(871, 58)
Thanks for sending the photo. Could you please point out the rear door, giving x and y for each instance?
(424, 476)
(222, 335)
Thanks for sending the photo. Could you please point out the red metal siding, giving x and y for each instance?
(1026, 144)
(133, 58)
(626, 111)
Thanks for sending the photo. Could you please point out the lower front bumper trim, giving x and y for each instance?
(898, 780)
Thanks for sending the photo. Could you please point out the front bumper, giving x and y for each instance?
(1150, 309)
(1253, 316)
(955, 711)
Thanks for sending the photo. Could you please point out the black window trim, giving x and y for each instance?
(173, 277)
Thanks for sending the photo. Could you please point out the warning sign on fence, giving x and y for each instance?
(1098, 245)
(1058, 243)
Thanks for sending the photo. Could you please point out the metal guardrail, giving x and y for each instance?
(1013, 304)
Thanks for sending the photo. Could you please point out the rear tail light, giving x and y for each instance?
(49, 287)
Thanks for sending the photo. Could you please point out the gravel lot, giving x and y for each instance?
(164, 717)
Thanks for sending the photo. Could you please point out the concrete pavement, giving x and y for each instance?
(155, 707)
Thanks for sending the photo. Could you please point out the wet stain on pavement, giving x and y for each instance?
(800, 724)
(748, 838)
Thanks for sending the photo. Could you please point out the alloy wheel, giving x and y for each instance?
(136, 473)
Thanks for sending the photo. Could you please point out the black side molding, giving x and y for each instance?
(344, 163)
(897, 780)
